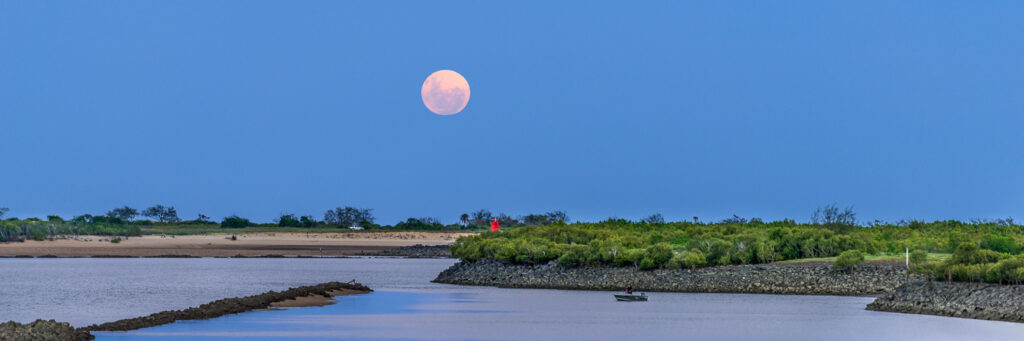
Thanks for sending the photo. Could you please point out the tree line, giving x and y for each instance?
(126, 220)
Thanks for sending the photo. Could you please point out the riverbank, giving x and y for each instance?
(967, 300)
(301, 296)
(416, 251)
(798, 279)
(228, 245)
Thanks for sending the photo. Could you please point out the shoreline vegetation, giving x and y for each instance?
(304, 296)
(947, 250)
(831, 255)
(163, 220)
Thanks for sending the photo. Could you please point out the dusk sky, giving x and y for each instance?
(901, 109)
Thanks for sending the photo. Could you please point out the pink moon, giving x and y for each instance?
(445, 92)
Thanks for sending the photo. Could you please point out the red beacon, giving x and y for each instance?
(494, 224)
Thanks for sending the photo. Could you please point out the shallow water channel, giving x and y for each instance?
(406, 306)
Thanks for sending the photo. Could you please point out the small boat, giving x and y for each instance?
(631, 298)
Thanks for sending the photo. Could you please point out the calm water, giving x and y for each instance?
(407, 307)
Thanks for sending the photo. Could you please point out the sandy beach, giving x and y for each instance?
(315, 300)
(221, 245)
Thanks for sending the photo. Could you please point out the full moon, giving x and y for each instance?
(445, 92)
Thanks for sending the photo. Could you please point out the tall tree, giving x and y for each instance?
(506, 220)
(3, 210)
(481, 217)
(289, 220)
(163, 214)
(557, 215)
(535, 219)
(349, 216)
(464, 218)
(830, 215)
(124, 213)
(656, 218)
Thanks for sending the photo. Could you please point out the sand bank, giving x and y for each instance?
(315, 300)
(222, 245)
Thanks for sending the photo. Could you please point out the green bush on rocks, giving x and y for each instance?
(694, 259)
(849, 260)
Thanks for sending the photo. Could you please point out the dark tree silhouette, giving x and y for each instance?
(656, 218)
(830, 215)
(124, 213)
(349, 216)
(163, 214)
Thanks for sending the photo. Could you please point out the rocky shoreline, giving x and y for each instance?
(416, 251)
(43, 331)
(790, 279)
(227, 306)
(967, 300)
(313, 295)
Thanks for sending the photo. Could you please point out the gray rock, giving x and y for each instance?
(818, 279)
(43, 331)
(416, 251)
(967, 300)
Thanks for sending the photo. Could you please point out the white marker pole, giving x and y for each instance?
(908, 258)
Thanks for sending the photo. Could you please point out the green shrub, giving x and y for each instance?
(115, 240)
(694, 259)
(38, 234)
(849, 260)
(630, 257)
(289, 220)
(676, 262)
(573, 257)
(1005, 271)
(969, 253)
(235, 222)
(918, 257)
(1004, 244)
(307, 221)
(648, 264)
(656, 256)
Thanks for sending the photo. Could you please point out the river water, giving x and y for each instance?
(406, 306)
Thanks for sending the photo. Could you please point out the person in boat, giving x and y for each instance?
(629, 289)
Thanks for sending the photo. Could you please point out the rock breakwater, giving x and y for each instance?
(43, 331)
(967, 300)
(416, 251)
(802, 279)
(227, 306)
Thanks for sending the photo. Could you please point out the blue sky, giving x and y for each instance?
(902, 109)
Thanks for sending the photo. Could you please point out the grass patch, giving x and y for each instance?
(884, 257)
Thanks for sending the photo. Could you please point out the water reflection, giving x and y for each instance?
(406, 306)
(510, 314)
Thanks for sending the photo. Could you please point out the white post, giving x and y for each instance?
(908, 258)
